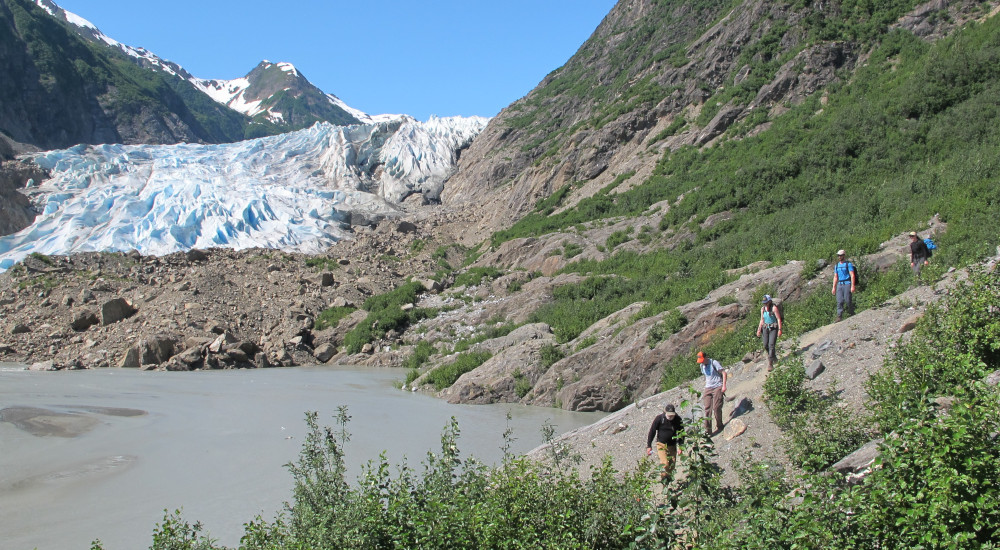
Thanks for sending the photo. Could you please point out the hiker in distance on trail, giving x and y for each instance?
(769, 329)
(844, 278)
(920, 254)
(715, 391)
(668, 431)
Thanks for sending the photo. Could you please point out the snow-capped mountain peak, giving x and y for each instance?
(265, 92)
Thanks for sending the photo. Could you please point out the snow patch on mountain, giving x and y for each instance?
(292, 191)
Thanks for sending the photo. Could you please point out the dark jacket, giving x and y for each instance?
(666, 430)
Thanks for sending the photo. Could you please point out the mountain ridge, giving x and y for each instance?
(124, 94)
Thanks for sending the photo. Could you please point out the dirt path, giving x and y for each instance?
(850, 352)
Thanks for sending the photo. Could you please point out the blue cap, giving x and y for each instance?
(767, 298)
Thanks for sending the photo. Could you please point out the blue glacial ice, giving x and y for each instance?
(288, 192)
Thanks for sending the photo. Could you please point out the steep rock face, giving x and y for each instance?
(651, 67)
(16, 211)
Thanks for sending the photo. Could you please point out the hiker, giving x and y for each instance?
(844, 279)
(715, 389)
(770, 327)
(669, 432)
(919, 253)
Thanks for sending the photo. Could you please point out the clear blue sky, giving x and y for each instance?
(440, 57)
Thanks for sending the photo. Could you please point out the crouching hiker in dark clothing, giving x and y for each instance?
(668, 431)
(919, 254)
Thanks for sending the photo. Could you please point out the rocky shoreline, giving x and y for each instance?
(211, 309)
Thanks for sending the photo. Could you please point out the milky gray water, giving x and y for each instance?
(100, 454)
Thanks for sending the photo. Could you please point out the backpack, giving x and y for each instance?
(931, 247)
(851, 266)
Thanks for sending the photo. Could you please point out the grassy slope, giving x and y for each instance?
(913, 133)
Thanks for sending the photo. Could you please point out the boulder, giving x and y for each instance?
(859, 460)
(261, 362)
(155, 349)
(405, 227)
(116, 310)
(84, 319)
(325, 352)
(196, 255)
(733, 429)
(237, 355)
(191, 358)
(284, 358)
(815, 369)
(910, 323)
(20, 328)
(222, 340)
(86, 296)
(43, 366)
(340, 301)
(326, 279)
(131, 359)
(430, 285)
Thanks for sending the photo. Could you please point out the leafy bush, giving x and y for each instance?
(667, 327)
(474, 276)
(321, 262)
(816, 432)
(617, 238)
(446, 375)
(550, 355)
(954, 345)
(571, 249)
(421, 353)
(331, 317)
(385, 313)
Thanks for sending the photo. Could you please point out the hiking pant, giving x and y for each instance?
(917, 264)
(769, 336)
(712, 401)
(668, 455)
(844, 299)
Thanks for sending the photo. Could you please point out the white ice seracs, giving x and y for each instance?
(289, 192)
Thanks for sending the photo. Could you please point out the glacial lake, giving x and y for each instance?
(100, 454)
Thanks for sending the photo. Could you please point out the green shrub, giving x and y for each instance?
(330, 317)
(446, 375)
(385, 313)
(617, 238)
(421, 353)
(474, 276)
(955, 344)
(522, 385)
(816, 431)
(321, 263)
(666, 327)
(550, 355)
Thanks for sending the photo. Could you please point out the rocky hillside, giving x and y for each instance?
(657, 76)
(838, 358)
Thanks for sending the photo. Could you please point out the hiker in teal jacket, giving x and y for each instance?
(769, 329)
(844, 279)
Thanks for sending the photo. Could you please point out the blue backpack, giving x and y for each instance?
(931, 247)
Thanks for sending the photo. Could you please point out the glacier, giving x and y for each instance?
(291, 192)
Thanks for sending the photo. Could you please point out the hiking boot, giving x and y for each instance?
(838, 318)
(770, 365)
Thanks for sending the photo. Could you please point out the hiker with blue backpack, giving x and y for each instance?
(920, 253)
(845, 276)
